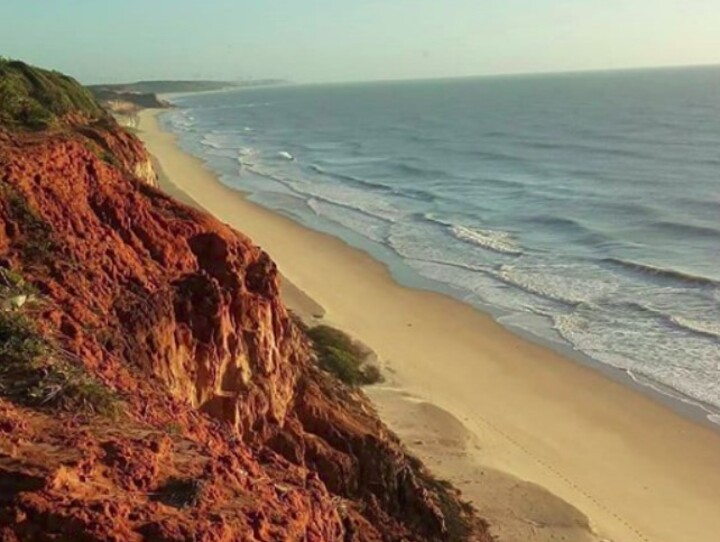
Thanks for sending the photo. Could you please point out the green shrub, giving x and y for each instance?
(70, 388)
(38, 244)
(20, 344)
(10, 281)
(372, 373)
(338, 354)
(35, 372)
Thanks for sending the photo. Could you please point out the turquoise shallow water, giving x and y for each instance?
(583, 208)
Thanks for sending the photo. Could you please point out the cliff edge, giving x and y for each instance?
(153, 386)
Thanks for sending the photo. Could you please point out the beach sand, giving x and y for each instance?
(545, 447)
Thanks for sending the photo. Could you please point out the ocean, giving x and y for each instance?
(580, 209)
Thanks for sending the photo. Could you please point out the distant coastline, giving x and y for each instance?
(182, 86)
(126, 100)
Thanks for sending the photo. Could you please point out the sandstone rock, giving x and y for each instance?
(229, 432)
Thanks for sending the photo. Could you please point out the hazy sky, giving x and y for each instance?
(342, 40)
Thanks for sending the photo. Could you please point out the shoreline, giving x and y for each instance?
(538, 442)
(694, 409)
(545, 333)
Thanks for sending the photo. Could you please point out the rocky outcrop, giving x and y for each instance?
(228, 431)
(120, 148)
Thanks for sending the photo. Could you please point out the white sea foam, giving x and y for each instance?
(247, 156)
(491, 239)
(342, 195)
(481, 287)
(565, 283)
(182, 120)
(499, 241)
(704, 327)
(641, 344)
(714, 418)
(285, 155)
(219, 141)
(362, 223)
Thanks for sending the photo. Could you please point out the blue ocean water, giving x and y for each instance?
(581, 208)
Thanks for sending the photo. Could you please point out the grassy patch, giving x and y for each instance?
(38, 244)
(35, 99)
(338, 354)
(35, 372)
(100, 152)
(14, 288)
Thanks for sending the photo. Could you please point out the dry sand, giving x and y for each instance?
(546, 448)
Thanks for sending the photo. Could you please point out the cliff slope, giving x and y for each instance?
(153, 385)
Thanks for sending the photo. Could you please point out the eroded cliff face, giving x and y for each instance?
(119, 147)
(228, 430)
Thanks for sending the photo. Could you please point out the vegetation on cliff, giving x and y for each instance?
(35, 370)
(342, 356)
(228, 431)
(33, 98)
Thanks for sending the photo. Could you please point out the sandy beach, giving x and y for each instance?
(546, 448)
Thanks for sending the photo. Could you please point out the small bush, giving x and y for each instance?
(372, 373)
(103, 154)
(36, 373)
(70, 388)
(38, 244)
(19, 342)
(338, 354)
(14, 283)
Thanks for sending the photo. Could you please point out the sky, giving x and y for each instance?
(353, 40)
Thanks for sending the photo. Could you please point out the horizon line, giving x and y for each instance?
(521, 74)
(290, 81)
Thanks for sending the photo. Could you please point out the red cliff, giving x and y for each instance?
(226, 429)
